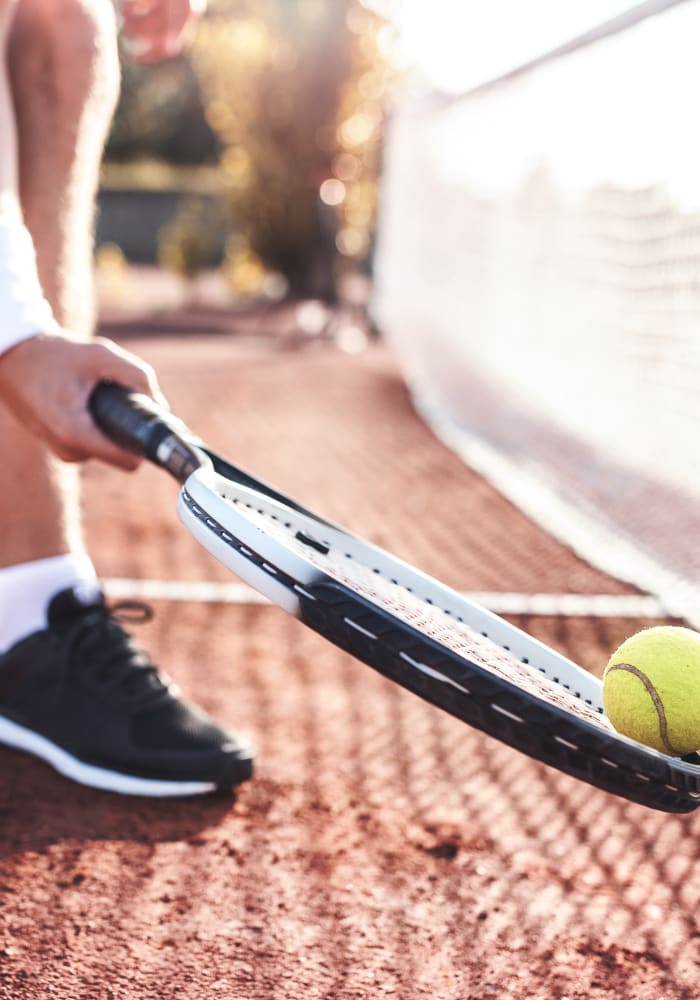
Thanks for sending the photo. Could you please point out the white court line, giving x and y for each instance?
(566, 605)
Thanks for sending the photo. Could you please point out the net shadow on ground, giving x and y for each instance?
(384, 848)
(499, 845)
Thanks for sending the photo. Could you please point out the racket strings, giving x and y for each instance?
(423, 615)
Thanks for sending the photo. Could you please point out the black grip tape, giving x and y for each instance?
(136, 422)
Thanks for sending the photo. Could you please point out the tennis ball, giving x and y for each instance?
(651, 689)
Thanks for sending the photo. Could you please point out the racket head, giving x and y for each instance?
(300, 551)
(429, 638)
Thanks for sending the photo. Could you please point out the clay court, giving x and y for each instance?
(383, 849)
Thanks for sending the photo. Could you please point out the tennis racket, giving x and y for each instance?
(414, 630)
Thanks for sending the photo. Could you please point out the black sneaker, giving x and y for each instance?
(84, 699)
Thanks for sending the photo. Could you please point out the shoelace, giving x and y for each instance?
(96, 645)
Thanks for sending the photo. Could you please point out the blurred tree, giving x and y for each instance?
(295, 91)
(161, 116)
(288, 98)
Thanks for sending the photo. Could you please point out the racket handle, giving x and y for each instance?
(135, 422)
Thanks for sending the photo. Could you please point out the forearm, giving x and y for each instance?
(8, 132)
(47, 370)
(24, 310)
(23, 307)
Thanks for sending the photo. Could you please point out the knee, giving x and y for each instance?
(68, 47)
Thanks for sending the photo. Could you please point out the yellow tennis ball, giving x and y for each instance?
(651, 689)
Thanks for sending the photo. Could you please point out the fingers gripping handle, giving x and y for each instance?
(135, 422)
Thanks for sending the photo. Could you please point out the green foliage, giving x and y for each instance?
(160, 116)
(288, 97)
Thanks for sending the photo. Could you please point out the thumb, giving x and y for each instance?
(114, 364)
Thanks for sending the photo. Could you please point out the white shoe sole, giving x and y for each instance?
(20, 738)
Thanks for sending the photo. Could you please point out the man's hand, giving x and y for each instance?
(47, 380)
(155, 29)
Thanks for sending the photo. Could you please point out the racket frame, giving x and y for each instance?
(222, 519)
(215, 505)
(216, 511)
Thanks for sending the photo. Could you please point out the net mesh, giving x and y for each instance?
(538, 271)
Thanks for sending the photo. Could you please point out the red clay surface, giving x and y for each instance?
(384, 849)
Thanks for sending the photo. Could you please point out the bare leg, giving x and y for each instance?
(63, 72)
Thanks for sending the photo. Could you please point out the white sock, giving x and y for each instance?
(26, 591)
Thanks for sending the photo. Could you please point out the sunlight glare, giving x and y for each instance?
(458, 46)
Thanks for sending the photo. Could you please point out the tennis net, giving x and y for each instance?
(538, 271)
